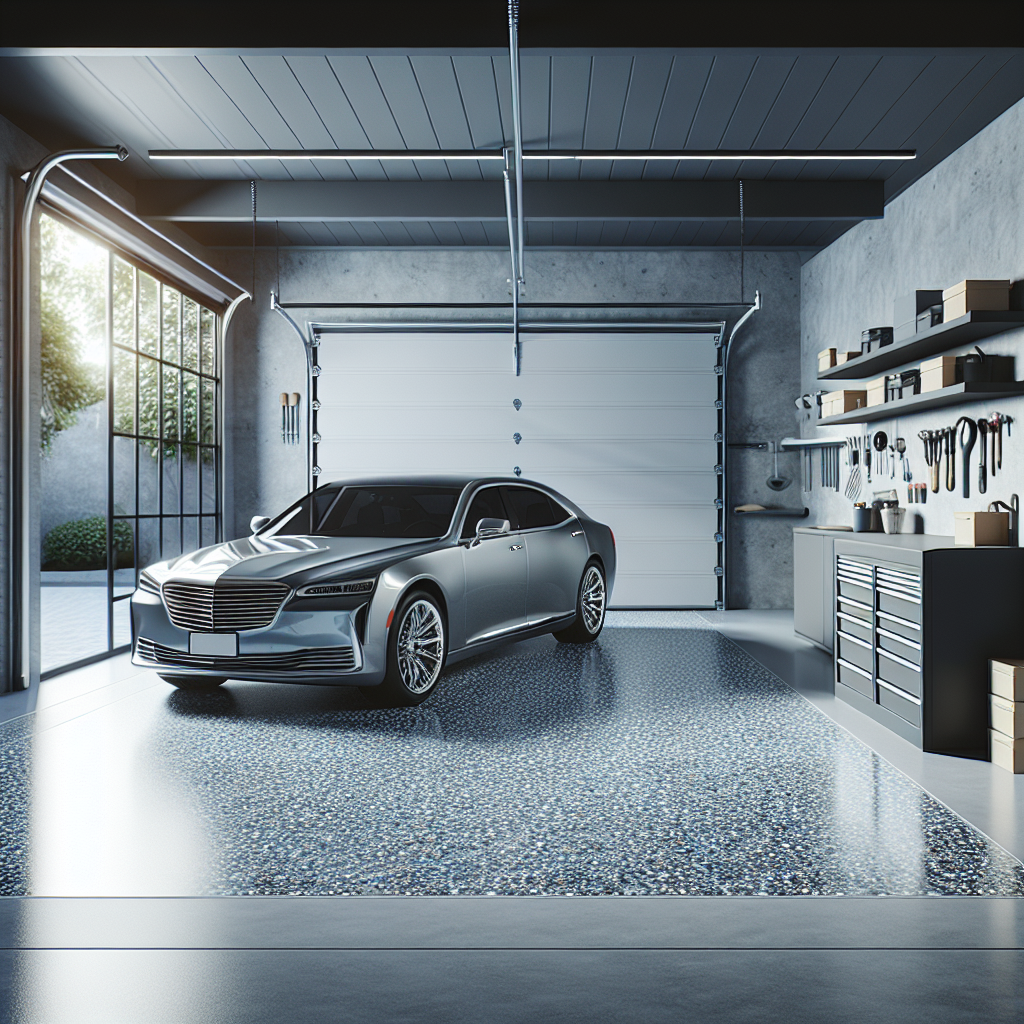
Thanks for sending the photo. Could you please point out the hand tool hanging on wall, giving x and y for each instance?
(293, 404)
(950, 443)
(968, 435)
(993, 429)
(982, 455)
(853, 456)
(284, 416)
(999, 437)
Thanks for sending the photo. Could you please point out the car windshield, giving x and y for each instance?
(390, 511)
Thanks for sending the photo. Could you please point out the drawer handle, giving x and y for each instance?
(900, 693)
(902, 597)
(902, 622)
(899, 639)
(853, 639)
(866, 623)
(899, 661)
(853, 668)
(856, 604)
(857, 583)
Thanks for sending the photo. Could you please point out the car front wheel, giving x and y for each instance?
(590, 608)
(416, 648)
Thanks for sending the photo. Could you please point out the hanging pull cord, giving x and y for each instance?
(252, 189)
(741, 225)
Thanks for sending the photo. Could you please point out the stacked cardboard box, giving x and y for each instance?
(1006, 714)
(837, 402)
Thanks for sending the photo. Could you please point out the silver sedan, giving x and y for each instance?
(377, 583)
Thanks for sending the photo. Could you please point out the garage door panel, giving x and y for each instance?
(669, 591)
(667, 555)
(640, 421)
(656, 488)
(608, 456)
(546, 352)
(598, 391)
(644, 522)
(622, 424)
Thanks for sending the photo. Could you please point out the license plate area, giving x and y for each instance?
(216, 645)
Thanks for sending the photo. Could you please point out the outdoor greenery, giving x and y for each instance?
(82, 544)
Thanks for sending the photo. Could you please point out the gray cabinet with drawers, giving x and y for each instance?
(915, 625)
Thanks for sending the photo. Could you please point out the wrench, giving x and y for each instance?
(983, 456)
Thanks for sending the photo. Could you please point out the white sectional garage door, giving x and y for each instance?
(623, 424)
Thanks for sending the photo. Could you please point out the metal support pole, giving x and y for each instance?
(517, 126)
(726, 351)
(514, 279)
(21, 423)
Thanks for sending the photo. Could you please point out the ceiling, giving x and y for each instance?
(929, 100)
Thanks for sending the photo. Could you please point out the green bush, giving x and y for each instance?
(82, 544)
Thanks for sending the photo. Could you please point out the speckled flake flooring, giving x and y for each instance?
(656, 761)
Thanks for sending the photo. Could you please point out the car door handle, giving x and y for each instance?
(516, 547)
(577, 533)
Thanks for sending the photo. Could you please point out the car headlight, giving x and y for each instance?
(343, 588)
(147, 583)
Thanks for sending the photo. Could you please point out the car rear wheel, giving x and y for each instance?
(416, 647)
(194, 682)
(590, 608)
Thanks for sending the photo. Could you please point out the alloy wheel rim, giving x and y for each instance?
(420, 646)
(592, 599)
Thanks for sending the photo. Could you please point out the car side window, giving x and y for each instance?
(486, 505)
(534, 509)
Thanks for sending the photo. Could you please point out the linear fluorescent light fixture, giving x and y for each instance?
(675, 156)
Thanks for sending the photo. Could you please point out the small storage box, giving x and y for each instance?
(930, 318)
(845, 357)
(1006, 678)
(836, 402)
(940, 372)
(981, 529)
(876, 392)
(875, 338)
(1006, 716)
(907, 308)
(902, 384)
(1006, 752)
(826, 359)
(967, 295)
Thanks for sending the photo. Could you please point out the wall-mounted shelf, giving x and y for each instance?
(811, 442)
(796, 513)
(955, 395)
(965, 330)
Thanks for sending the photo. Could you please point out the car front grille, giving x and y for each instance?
(223, 607)
(322, 660)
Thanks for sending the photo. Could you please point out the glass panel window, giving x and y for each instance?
(190, 408)
(149, 315)
(208, 413)
(209, 475)
(149, 542)
(209, 531)
(171, 321)
(171, 480)
(189, 334)
(171, 397)
(124, 391)
(189, 480)
(124, 476)
(208, 341)
(532, 508)
(191, 531)
(149, 399)
(124, 303)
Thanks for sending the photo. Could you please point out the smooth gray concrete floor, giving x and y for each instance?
(427, 959)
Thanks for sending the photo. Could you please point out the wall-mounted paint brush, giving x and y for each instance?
(284, 416)
(294, 403)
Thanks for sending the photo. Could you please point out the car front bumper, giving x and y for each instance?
(318, 647)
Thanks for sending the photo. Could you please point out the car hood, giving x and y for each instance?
(278, 557)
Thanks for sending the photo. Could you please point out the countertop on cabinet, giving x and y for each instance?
(902, 541)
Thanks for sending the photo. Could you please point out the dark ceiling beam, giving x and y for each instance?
(230, 201)
(544, 23)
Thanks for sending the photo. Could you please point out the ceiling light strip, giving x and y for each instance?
(675, 156)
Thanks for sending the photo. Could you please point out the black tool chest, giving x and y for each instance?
(914, 630)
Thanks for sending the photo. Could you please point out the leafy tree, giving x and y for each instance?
(69, 382)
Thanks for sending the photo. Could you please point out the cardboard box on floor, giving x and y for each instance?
(1006, 752)
(1006, 678)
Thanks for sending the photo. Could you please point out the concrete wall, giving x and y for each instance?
(964, 219)
(265, 357)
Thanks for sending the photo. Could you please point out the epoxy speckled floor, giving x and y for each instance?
(657, 761)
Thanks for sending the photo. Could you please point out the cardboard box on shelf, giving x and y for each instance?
(981, 529)
(1006, 716)
(1006, 678)
(940, 372)
(826, 359)
(876, 392)
(1006, 752)
(845, 357)
(967, 295)
(834, 403)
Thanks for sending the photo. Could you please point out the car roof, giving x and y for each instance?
(428, 481)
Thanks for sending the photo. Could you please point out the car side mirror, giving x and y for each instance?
(490, 528)
(258, 522)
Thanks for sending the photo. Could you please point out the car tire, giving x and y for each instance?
(591, 604)
(194, 682)
(417, 645)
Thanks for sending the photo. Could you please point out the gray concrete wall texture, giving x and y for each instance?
(265, 357)
(962, 220)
